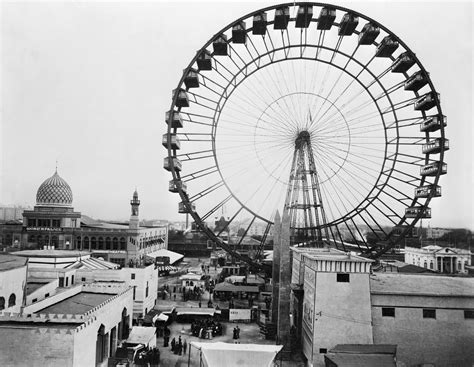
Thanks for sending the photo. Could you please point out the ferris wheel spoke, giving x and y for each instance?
(342, 72)
(342, 199)
(211, 85)
(416, 160)
(403, 196)
(258, 97)
(263, 240)
(217, 207)
(196, 155)
(407, 178)
(349, 85)
(196, 137)
(401, 200)
(200, 174)
(386, 214)
(206, 191)
(394, 88)
(191, 120)
(373, 224)
(360, 237)
(231, 220)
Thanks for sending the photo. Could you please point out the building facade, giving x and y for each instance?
(13, 275)
(338, 300)
(80, 326)
(429, 317)
(330, 287)
(11, 213)
(441, 259)
(434, 232)
(143, 281)
(53, 223)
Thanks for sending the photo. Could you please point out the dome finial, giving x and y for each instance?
(56, 170)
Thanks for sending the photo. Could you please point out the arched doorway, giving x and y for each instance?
(101, 345)
(124, 325)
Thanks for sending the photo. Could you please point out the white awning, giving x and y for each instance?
(237, 355)
(142, 335)
(174, 256)
(160, 317)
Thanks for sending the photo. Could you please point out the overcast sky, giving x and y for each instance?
(87, 84)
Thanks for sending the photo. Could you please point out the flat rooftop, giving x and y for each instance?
(8, 262)
(329, 254)
(421, 284)
(77, 304)
(32, 286)
(51, 253)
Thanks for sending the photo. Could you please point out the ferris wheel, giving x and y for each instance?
(311, 108)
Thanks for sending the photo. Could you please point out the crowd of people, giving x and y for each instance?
(200, 328)
(179, 346)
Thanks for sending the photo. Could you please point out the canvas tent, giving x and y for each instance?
(237, 355)
(142, 335)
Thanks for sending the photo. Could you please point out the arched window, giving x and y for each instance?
(459, 266)
(32, 238)
(108, 243)
(123, 243)
(431, 264)
(78, 243)
(115, 243)
(2, 303)
(101, 243)
(425, 264)
(86, 243)
(12, 300)
(54, 241)
(93, 243)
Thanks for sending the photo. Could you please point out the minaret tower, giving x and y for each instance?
(135, 203)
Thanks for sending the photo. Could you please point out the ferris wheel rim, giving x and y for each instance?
(176, 175)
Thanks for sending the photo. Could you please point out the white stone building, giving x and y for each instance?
(80, 326)
(336, 300)
(142, 280)
(13, 274)
(330, 288)
(441, 259)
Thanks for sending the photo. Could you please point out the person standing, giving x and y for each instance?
(185, 346)
(173, 345)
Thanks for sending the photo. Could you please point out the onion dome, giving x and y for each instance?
(54, 191)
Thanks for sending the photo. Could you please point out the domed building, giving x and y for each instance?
(53, 220)
(53, 224)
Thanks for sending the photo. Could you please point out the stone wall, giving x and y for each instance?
(446, 340)
(13, 281)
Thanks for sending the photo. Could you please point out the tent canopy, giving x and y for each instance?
(142, 335)
(196, 311)
(228, 287)
(160, 317)
(174, 256)
(237, 355)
